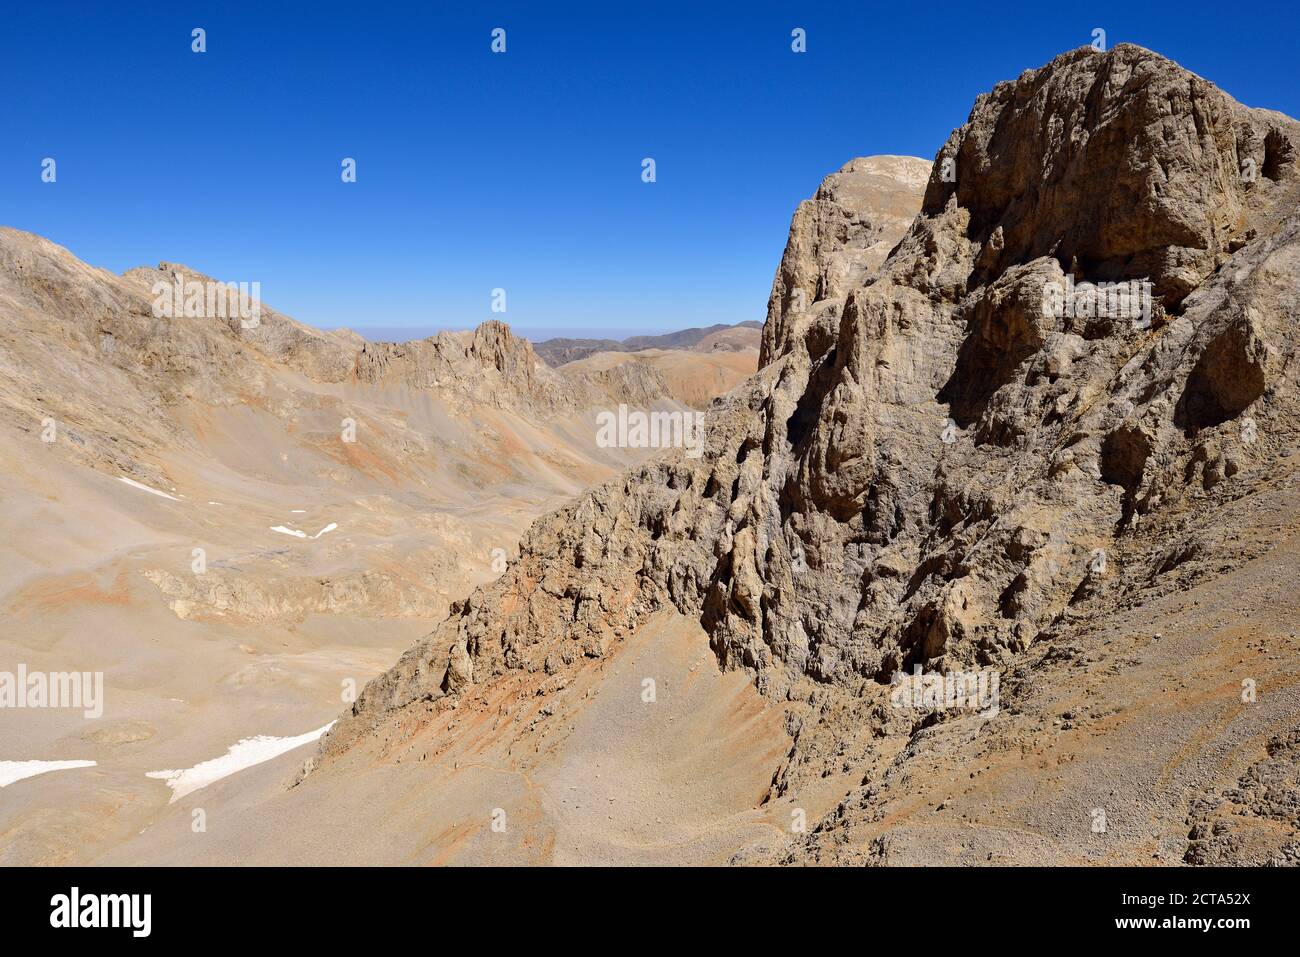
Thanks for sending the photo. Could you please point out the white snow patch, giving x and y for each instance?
(284, 530)
(144, 488)
(245, 754)
(11, 771)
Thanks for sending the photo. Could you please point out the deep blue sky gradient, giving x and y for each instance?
(520, 170)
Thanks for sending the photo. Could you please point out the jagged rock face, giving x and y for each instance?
(1117, 163)
(837, 238)
(491, 363)
(928, 459)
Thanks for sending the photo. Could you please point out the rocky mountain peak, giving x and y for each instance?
(836, 240)
(495, 346)
(1118, 165)
(930, 459)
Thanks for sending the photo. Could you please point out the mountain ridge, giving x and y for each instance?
(560, 351)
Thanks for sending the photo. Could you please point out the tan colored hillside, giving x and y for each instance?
(326, 547)
(693, 377)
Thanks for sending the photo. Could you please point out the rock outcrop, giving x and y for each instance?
(837, 239)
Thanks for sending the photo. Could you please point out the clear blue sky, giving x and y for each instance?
(522, 170)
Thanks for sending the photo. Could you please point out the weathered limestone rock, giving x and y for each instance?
(929, 461)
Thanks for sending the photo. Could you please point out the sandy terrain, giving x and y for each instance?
(694, 377)
(589, 774)
(736, 339)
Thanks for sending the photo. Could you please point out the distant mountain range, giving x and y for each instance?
(720, 337)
